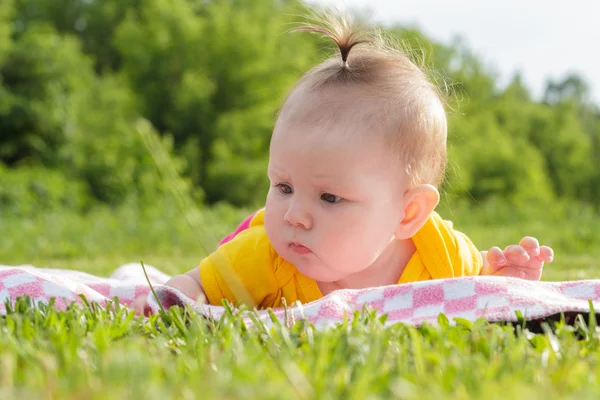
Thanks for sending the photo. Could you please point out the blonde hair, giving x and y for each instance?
(410, 108)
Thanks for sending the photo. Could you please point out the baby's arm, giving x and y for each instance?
(525, 260)
(189, 284)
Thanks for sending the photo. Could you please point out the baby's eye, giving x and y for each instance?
(284, 188)
(330, 198)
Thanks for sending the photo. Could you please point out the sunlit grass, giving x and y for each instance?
(109, 353)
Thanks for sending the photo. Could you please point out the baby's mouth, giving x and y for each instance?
(299, 248)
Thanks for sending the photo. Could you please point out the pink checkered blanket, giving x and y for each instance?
(492, 298)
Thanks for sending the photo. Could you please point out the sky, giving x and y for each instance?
(540, 39)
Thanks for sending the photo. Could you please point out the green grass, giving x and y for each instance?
(104, 239)
(93, 353)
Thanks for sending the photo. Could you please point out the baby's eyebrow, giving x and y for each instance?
(332, 184)
(275, 172)
(325, 177)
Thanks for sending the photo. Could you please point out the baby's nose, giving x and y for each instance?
(298, 217)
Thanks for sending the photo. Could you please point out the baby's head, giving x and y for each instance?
(356, 156)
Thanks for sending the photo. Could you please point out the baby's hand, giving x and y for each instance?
(524, 260)
(140, 306)
(188, 284)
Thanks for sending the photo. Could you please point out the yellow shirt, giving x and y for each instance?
(247, 269)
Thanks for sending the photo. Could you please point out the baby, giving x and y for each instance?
(357, 154)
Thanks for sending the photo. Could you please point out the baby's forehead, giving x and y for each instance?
(334, 147)
(335, 121)
(334, 164)
(331, 105)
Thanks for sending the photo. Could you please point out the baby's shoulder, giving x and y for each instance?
(251, 241)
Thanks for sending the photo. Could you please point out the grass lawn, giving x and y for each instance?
(97, 354)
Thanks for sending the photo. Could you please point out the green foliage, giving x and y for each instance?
(40, 77)
(489, 160)
(520, 150)
(6, 18)
(57, 113)
(33, 190)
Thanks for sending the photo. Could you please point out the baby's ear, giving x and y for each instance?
(419, 202)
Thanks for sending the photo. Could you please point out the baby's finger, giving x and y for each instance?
(493, 261)
(546, 254)
(531, 245)
(516, 255)
(138, 304)
(495, 257)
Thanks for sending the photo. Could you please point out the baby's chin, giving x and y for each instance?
(319, 272)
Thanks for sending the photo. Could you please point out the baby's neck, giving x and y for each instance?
(386, 270)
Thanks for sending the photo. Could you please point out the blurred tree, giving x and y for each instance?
(6, 18)
(40, 74)
(572, 87)
(492, 164)
(569, 103)
(93, 22)
(57, 113)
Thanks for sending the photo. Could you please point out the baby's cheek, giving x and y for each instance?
(344, 249)
(273, 231)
